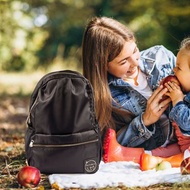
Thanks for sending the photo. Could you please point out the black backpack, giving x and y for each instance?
(63, 134)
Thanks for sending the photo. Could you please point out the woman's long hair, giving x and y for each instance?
(103, 40)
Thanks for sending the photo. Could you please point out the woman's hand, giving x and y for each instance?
(155, 108)
(174, 92)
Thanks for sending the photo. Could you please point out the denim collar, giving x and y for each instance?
(115, 81)
(147, 62)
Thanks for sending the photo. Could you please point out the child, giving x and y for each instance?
(180, 95)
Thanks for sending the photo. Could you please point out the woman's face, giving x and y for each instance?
(125, 65)
(182, 69)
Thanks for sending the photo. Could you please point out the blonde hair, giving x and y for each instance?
(103, 40)
(185, 44)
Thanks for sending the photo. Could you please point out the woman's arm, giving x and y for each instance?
(134, 134)
(141, 128)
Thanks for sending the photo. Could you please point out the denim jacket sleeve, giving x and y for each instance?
(180, 114)
(138, 133)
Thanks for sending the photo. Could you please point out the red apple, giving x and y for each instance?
(185, 166)
(29, 176)
(171, 78)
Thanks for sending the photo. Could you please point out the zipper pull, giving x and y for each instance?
(31, 143)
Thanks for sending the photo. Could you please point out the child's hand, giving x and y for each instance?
(174, 92)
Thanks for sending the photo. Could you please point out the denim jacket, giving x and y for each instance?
(180, 114)
(156, 63)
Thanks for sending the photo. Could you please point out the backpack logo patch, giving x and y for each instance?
(90, 166)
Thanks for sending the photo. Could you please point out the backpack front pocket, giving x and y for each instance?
(48, 153)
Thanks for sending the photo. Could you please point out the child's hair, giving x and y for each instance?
(185, 44)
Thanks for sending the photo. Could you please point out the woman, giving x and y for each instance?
(126, 84)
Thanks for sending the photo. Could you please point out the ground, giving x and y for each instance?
(13, 115)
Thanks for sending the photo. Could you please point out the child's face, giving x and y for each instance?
(125, 65)
(182, 69)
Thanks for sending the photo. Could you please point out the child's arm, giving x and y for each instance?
(180, 114)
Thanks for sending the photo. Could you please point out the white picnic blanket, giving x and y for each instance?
(115, 174)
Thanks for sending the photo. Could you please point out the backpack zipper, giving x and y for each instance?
(61, 145)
